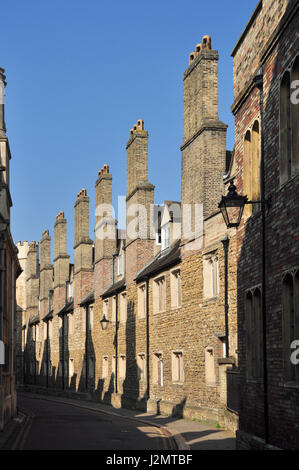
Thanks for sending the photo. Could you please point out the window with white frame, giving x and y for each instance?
(123, 307)
(159, 294)
(175, 287)
(105, 367)
(90, 317)
(120, 264)
(177, 367)
(122, 366)
(142, 301)
(165, 236)
(158, 369)
(141, 367)
(211, 275)
(70, 290)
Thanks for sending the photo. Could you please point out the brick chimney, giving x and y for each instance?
(46, 272)
(61, 262)
(139, 202)
(204, 143)
(83, 248)
(2, 105)
(105, 231)
(32, 281)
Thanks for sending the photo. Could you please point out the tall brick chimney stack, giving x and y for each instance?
(83, 248)
(61, 262)
(46, 272)
(140, 198)
(204, 143)
(32, 281)
(105, 231)
(2, 105)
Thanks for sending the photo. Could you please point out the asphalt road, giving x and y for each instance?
(59, 426)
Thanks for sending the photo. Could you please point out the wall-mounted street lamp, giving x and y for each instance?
(104, 323)
(232, 206)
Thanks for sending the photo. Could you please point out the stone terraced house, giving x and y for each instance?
(167, 314)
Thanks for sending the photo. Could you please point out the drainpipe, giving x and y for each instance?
(225, 243)
(12, 304)
(86, 345)
(147, 341)
(259, 84)
(47, 323)
(116, 325)
(116, 343)
(1, 306)
(62, 346)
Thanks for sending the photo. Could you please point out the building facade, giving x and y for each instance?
(9, 270)
(176, 313)
(169, 341)
(266, 106)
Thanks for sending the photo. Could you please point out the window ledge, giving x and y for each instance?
(176, 308)
(291, 385)
(178, 383)
(211, 299)
(254, 381)
(289, 182)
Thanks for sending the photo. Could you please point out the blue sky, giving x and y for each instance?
(79, 76)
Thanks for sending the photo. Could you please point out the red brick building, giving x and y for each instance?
(267, 131)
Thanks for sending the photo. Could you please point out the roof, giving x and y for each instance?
(49, 316)
(114, 288)
(68, 307)
(164, 259)
(88, 299)
(34, 319)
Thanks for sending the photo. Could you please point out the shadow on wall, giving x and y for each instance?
(280, 236)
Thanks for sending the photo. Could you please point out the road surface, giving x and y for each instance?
(59, 426)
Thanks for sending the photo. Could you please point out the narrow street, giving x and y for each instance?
(60, 426)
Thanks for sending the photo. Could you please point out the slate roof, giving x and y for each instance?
(114, 288)
(166, 258)
(88, 299)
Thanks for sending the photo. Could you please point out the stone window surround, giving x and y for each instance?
(105, 367)
(177, 367)
(141, 300)
(158, 372)
(288, 69)
(157, 292)
(174, 278)
(294, 274)
(214, 285)
(251, 291)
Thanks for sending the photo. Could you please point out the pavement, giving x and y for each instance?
(105, 427)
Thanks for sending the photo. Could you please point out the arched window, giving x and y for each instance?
(254, 338)
(285, 129)
(290, 294)
(256, 166)
(247, 173)
(295, 116)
